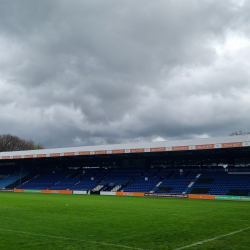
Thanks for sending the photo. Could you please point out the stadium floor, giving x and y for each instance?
(91, 222)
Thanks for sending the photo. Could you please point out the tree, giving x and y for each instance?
(10, 142)
(240, 133)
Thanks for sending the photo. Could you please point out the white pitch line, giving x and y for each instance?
(65, 238)
(215, 238)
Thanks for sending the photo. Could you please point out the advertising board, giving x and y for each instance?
(166, 195)
(80, 192)
(31, 191)
(18, 190)
(57, 191)
(201, 196)
(6, 190)
(129, 194)
(228, 197)
(107, 193)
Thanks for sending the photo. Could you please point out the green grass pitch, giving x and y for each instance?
(57, 221)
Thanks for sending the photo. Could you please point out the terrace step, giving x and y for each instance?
(97, 188)
(116, 188)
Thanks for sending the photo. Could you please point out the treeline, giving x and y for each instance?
(240, 133)
(10, 142)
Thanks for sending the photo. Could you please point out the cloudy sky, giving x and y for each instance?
(89, 72)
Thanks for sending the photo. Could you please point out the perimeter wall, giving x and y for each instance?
(136, 194)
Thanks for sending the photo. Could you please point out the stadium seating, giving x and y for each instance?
(12, 178)
(142, 184)
(87, 183)
(177, 183)
(22, 180)
(118, 179)
(215, 181)
(221, 183)
(44, 180)
(65, 183)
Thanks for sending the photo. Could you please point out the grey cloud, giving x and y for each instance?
(94, 72)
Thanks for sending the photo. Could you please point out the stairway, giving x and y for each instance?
(191, 184)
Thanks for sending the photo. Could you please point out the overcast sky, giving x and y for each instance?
(90, 72)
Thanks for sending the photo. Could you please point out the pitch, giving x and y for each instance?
(91, 222)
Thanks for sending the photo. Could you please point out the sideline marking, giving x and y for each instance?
(215, 238)
(65, 238)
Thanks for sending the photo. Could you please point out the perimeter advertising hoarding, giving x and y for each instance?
(107, 193)
(79, 192)
(6, 190)
(227, 197)
(201, 196)
(129, 194)
(32, 191)
(18, 190)
(167, 195)
(57, 192)
(43, 191)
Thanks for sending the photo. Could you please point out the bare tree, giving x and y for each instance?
(239, 133)
(10, 142)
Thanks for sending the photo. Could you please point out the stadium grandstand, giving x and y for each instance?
(212, 166)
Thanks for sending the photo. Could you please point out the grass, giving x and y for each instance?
(52, 221)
